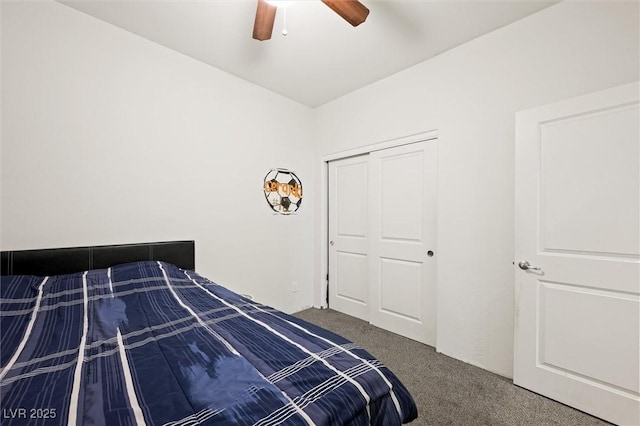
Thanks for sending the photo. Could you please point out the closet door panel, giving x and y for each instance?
(348, 235)
(402, 192)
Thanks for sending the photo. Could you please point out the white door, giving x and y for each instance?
(578, 226)
(402, 240)
(348, 235)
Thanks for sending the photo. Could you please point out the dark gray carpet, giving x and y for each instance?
(448, 391)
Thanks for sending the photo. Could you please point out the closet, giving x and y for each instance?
(382, 236)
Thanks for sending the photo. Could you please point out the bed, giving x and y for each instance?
(163, 345)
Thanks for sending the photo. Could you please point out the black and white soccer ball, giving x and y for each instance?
(283, 191)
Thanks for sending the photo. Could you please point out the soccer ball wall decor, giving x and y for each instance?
(283, 191)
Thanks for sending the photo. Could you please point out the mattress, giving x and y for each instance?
(150, 343)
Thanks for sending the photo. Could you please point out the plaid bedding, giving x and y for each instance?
(149, 343)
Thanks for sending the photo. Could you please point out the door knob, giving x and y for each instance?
(525, 266)
(330, 243)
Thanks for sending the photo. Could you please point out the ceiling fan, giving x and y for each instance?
(351, 11)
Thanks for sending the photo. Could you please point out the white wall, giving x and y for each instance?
(470, 95)
(109, 138)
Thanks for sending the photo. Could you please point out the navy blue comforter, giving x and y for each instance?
(149, 343)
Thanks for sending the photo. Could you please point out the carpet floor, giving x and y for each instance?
(448, 391)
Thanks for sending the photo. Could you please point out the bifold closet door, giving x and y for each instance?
(402, 267)
(349, 236)
(382, 232)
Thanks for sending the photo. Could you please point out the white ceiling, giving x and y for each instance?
(322, 57)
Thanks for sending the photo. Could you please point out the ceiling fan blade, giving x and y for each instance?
(265, 17)
(352, 11)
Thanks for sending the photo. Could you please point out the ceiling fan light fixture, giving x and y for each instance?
(351, 11)
(280, 3)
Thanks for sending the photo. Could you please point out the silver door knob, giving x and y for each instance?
(525, 266)
(330, 243)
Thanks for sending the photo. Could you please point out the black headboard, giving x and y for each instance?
(68, 260)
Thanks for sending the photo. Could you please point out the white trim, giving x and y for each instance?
(392, 143)
(320, 282)
(321, 292)
(77, 375)
(27, 332)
